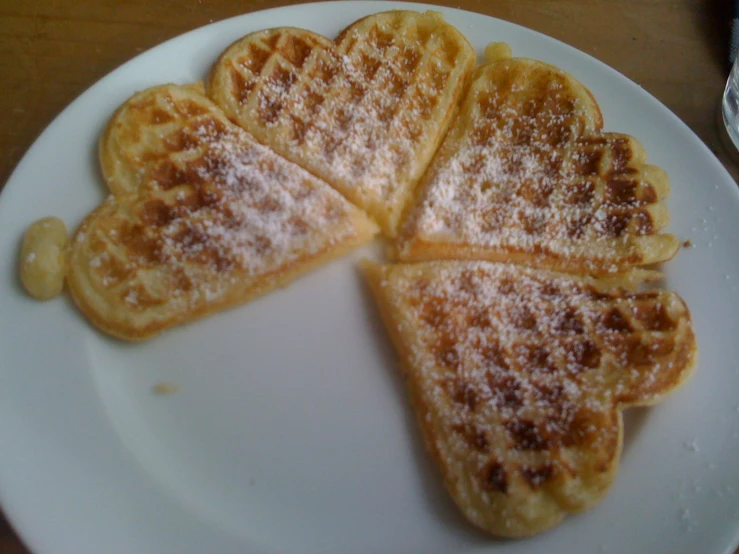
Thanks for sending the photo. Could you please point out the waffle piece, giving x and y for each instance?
(518, 377)
(365, 113)
(201, 217)
(526, 174)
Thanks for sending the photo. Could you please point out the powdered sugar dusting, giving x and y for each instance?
(527, 175)
(264, 211)
(218, 210)
(361, 114)
(365, 146)
(524, 368)
(360, 131)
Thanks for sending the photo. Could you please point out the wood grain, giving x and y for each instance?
(52, 51)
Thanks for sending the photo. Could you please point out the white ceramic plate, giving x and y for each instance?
(292, 432)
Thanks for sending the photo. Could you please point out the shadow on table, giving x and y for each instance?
(9, 542)
(714, 18)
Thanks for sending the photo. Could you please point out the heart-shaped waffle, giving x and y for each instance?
(365, 113)
(518, 375)
(526, 174)
(518, 378)
(201, 217)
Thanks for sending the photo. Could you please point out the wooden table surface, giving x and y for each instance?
(53, 50)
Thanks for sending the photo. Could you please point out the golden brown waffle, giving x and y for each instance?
(365, 113)
(518, 377)
(527, 175)
(201, 217)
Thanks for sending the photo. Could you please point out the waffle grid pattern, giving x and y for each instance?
(540, 177)
(519, 376)
(364, 113)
